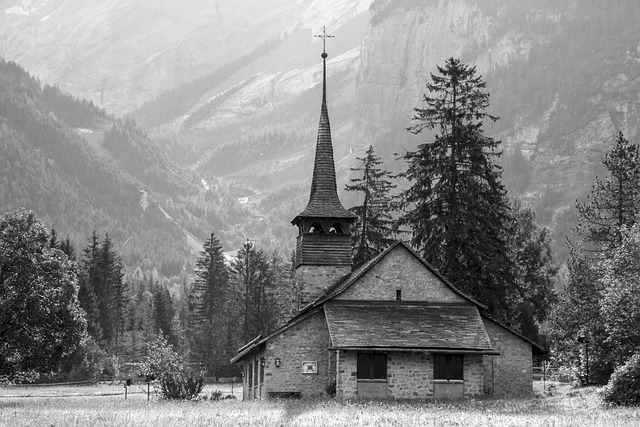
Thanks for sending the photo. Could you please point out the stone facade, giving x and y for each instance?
(410, 372)
(305, 342)
(400, 270)
(511, 372)
(312, 281)
(410, 376)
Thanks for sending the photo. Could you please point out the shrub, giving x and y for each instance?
(624, 385)
(183, 384)
(177, 380)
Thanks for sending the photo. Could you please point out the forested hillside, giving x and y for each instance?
(81, 169)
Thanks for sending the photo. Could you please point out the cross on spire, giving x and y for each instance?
(324, 36)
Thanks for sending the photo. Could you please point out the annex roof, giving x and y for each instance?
(410, 326)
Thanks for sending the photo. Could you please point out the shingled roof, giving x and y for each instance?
(324, 201)
(369, 325)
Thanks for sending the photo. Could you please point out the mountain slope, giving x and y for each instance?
(105, 176)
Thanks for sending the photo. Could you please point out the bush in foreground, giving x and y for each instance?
(624, 386)
(177, 380)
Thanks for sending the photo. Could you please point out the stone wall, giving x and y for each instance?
(473, 375)
(510, 373)
(400, 270)
(313, 280)
(410, 376)
(346, 377)
(305, 342)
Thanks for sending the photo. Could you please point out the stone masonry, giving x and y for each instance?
(305, 342)
(312, 281)
(510, 373)
(409, 375)
(400, 270)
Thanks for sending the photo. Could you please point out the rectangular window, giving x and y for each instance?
(448, 367)
(372, 366)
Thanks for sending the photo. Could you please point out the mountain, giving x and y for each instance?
(121, 53)
(81, 169)
(230, 91)
(562, 78)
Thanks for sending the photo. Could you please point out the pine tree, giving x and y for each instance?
(531, 291)
(89, 282)
(250, 274)
(373, 229)
(614, 201)
(89, 303)
(208, 298)
(456, 206)
(164, 313)
(594, 274)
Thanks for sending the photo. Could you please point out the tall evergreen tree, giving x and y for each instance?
(251, 275)
(456, 206)
(614, 201)
(373, 229)
(596, 242)
(208, 299)
(89, 303)
(88, 293)
(164, 313)
(531, 290)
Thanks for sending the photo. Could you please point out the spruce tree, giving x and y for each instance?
(164, 313)
(207, 304)
(596, 247)
(456, 206)
(373, 229)
(614, 201)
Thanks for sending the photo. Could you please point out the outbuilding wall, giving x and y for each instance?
(510, 373)
(305, 342)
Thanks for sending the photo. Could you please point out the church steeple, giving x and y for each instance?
(323, 200)
(323, 250)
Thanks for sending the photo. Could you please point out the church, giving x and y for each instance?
(393, 328)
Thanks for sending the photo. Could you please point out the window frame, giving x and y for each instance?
(374, 364)
(447, 371)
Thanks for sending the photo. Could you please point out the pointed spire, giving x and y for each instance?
(324, 201)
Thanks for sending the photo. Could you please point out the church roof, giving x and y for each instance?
(323, 200)
(394, 325)
(369, 325)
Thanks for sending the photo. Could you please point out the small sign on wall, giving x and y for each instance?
(309, 367)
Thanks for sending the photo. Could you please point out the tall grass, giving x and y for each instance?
(568, 407)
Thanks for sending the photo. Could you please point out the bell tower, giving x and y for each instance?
(323, 247)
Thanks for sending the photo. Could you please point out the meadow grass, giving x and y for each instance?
(101, 406)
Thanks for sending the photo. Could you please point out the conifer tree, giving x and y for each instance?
(585, 304)
(88, 293)
(373, 229)
(207, 303)
(89, 303)
(164, 313)
(250, 274)
(614, 201)
(456, 207)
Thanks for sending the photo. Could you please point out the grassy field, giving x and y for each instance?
(105, 406)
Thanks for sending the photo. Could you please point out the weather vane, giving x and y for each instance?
(324, 36)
